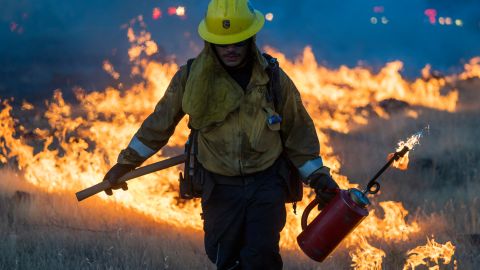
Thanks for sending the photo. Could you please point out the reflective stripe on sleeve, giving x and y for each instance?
(141, 148)
(310, 167)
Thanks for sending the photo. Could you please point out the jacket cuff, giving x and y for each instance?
(309, 167)
(139, 147)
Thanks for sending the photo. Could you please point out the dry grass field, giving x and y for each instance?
(441, 188)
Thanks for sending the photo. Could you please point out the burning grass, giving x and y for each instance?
(41, 230)
(51, 230)
(440, 186)
(68, 147)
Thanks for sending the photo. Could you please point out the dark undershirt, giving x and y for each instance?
(241, 75)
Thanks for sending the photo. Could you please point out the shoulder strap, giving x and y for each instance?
(191, 151)
(189, 65)
(274, 93)
(193, 133)
(273, 71)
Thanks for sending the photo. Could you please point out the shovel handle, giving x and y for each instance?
(88, 192)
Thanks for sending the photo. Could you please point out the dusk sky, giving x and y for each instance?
(50, 44)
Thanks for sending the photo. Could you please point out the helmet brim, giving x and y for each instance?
(230, 39)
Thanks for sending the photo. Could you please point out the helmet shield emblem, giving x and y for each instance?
(226, 24)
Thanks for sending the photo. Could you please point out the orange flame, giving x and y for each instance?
(367, 257)
(472, 69)
(392, 227)
(108, 67)
(433, 252)
(27, 106)
(402, 162)
(77, 144)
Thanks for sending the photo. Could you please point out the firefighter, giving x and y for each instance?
(240, 151)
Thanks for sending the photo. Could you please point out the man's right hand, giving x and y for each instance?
(112, 176)
(324, 185)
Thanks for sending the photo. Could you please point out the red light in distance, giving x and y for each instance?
(378, 9)
(156, 14)
(431, 14)
(172, 11)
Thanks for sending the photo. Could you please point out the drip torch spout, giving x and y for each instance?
(373, 186)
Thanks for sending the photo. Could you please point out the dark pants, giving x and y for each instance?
(243, 217)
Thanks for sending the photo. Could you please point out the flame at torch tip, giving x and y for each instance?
(414, 140)
(401, 163)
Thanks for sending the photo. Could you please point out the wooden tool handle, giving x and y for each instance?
(88, 192)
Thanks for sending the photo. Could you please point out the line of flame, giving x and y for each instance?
(75, 145)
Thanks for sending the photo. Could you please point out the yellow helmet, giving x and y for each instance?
(230, 21)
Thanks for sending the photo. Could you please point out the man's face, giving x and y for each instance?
(232, 55)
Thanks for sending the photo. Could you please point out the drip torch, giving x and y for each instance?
(340, 217)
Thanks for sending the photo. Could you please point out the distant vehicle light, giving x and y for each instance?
(13, 26)
(385, 20)
(373, 20)
(459, 22)
(378, 9)
(156, 13)
(180, 11)
(431, 14)
(172, 11)
(448, 21)
(441, 20)
(269, 16)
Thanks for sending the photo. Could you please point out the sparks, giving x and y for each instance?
(411, 142)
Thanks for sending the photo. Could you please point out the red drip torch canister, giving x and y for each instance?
(341, 215)
(346, 210)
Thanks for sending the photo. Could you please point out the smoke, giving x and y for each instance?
(61, 44)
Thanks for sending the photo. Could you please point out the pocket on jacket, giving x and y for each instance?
(264, 137)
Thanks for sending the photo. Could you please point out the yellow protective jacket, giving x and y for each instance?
(234, 136)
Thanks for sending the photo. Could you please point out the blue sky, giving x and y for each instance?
(52, 44)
